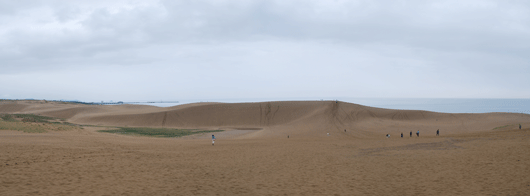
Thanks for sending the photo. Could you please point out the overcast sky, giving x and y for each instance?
(220, 49)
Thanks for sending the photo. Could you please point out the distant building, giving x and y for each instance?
(120, 102)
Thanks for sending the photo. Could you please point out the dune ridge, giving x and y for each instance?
(302, 118)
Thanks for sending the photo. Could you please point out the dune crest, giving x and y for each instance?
(300, 118)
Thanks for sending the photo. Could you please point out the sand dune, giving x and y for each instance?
(303, 119)
(473, 156)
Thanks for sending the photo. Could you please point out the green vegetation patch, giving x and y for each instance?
(34, 127)
(7, 117)
(157, 132)
(502, 127)
(33, 118)
(32, 123)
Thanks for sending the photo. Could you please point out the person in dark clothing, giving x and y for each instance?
(438, 132)
(344, 130)
(418, 133)
(410, 133)
(287, 136)
(401, 135)
(519, 126)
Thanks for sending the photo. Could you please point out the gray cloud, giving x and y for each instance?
(245, 49)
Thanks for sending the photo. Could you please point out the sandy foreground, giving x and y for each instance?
(263, 161)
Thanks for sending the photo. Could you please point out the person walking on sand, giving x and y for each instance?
(401, 135)
(438, 132)
(418, 133)
(519, 126)
(213, 140)
(410, 133)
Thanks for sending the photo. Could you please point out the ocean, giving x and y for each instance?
(450, 105)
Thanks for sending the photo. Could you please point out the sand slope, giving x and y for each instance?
(277, 119)
(254, 156)
(89, 163)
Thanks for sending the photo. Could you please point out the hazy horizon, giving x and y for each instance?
(257, 99)
(445, 105)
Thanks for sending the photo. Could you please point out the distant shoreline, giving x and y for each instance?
(445, 105)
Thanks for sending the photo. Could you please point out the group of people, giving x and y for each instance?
(437, 133)
(387, 135)
(418, 133)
